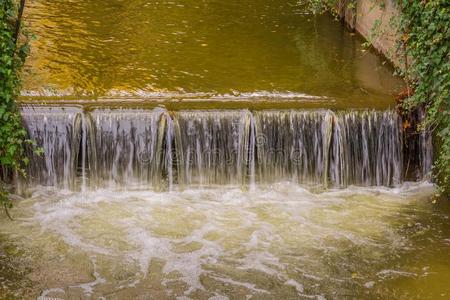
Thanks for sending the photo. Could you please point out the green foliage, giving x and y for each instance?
(13, 137)
(319, 6)
(425, 28)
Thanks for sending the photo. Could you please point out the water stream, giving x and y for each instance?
(157, 149)
(216, 150)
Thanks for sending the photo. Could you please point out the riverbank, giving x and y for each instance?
(377, 23)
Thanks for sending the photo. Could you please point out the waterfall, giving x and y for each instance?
(211, 146)
(166, 163)
(58, 132)
(322, 147)
(370, 148)
(425, 148)
(157, 149)
(123, 147)
(293, 145)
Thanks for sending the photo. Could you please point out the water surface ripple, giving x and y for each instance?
(93, 49)
(277, 242)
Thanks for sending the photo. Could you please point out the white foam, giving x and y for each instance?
(247, 285)
(299, 287)
(46, 292)
(245, 231)
(163, 94)
(88, 287)
(384, 274)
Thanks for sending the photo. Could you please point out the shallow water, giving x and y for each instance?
(191, 49)
(279, 241)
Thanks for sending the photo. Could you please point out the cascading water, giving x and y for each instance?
(366, 149)
(322, 147)
(57, 131)
(212, 146)
(154, 148)
(292, 145)
(136, 223)
(166, 163)
(124, 147)
(426, 148)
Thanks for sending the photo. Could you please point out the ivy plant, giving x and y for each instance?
(425, 31)
(13, 137)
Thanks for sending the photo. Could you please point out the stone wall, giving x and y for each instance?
(376, 21)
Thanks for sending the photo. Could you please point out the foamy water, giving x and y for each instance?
(279, 241)
(164, 94)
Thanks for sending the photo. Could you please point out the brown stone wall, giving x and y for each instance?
(376, 21)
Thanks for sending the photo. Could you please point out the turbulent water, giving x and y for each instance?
(157, 149)
(275, 242)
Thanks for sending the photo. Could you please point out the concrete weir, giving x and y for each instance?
(158, 148)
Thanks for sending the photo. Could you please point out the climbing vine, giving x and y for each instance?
(13, 137)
